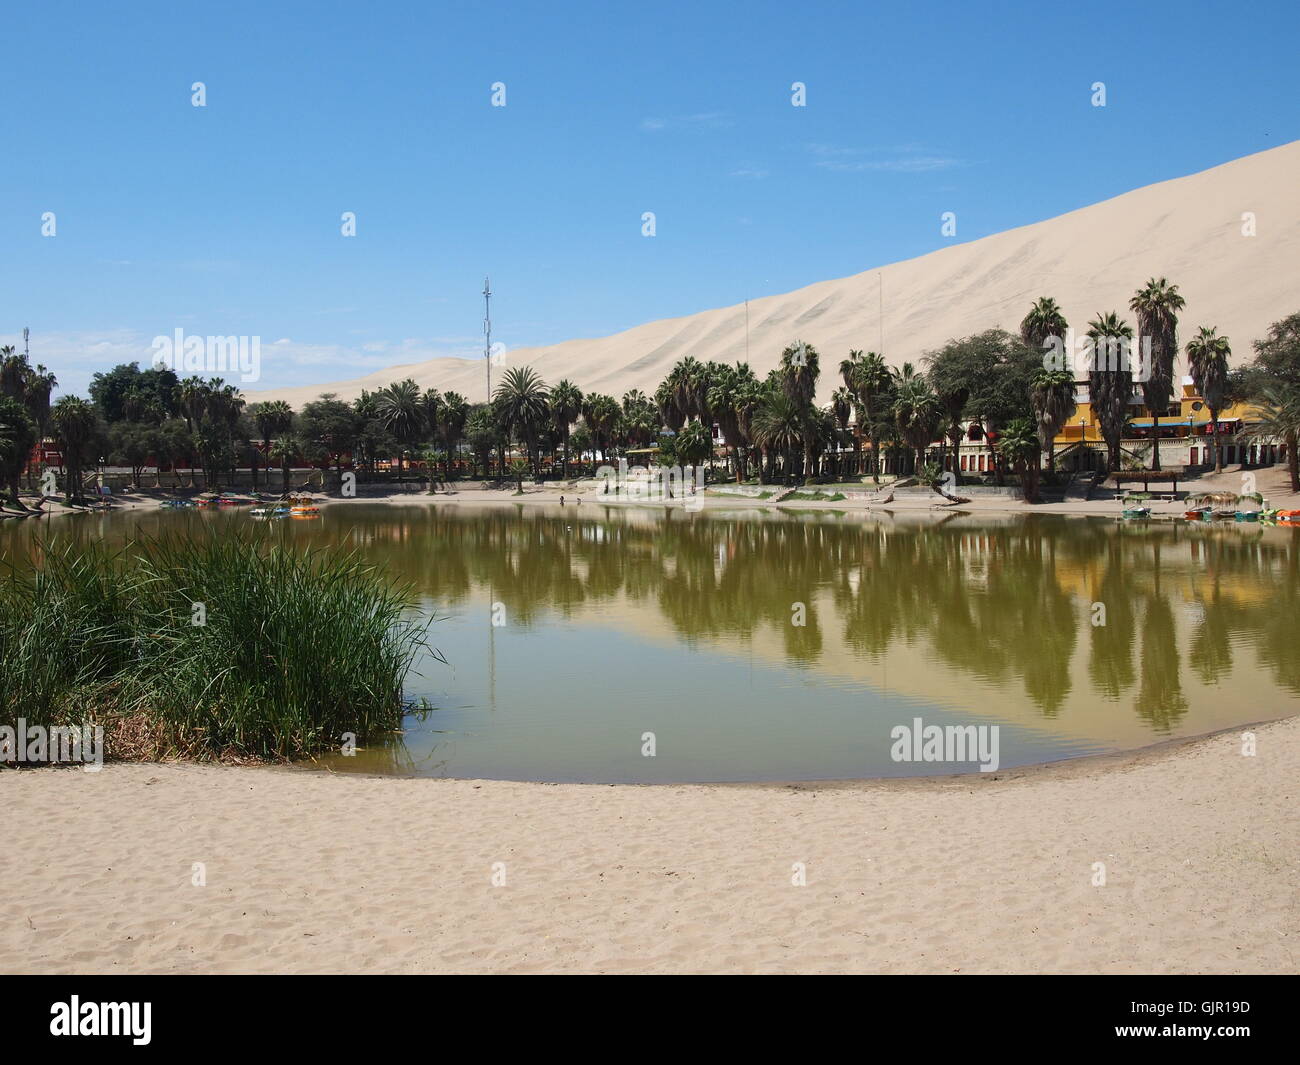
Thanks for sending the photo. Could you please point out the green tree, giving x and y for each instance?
(1156, 306)
(1051, 393)
(1277, 412)
(1207, 358)
(76, 432)
(18, 434)
(1018, 443)
(328, 429)
(126, 384)
(566, 404)
(132, 444)
(918, 415)
(1110, 381)
(402, 409)
(452, 416)
(779, 427)
(522, 402)
(800, 368)
(1043, 322)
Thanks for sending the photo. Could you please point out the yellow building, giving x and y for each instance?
(1184, 432)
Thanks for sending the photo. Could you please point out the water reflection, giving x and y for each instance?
(994, 616)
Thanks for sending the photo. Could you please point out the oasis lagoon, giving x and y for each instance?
(609, 644)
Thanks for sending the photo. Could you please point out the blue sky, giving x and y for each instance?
(226, 219)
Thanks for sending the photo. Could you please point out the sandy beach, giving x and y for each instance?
(1272, 482)
(310, 872)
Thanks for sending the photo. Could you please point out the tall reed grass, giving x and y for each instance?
(295, 650)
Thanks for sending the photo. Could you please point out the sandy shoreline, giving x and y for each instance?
(1272, 482)
(313, 872)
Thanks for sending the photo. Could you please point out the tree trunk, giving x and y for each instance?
(1214, 441)
(1293, 461)
(1155, 441)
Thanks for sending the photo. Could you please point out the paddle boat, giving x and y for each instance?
(1135, 508)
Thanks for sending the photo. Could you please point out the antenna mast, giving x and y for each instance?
(487, 334)
(27, 348)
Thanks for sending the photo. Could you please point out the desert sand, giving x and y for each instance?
(1191, 230)
(310, 872)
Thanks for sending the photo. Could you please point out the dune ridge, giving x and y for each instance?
(1189, 229)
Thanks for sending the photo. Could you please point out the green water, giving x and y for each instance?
(617, 622)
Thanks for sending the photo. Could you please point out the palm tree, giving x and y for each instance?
(29, 389)
(1043, 321)
(1207, 358)
(1157, 306)
(842, 407)
(728, 400)
(640, 423)
(431, 405)
(918, 416)
(670, 411)
(271, 418)
(683, 383)
(694, 444)
(1051, 394)
(799, 369)
(191, 395)
(1277, 410)
(285, 449)
(40, 384)
(17, 435)
(452, 415)
(1110, 382)
(867, 378)
(522, 400)
(74, 430)
(1019, 444)
(779, 427)
(401, 409)
(566, 405)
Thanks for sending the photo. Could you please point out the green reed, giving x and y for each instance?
(233, 647)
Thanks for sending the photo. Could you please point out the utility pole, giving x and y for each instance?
(487, 334)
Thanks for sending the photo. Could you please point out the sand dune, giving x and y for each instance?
(1188, 229)
(308, 872)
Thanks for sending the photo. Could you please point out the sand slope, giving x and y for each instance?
(308, 872)
(1090, 260)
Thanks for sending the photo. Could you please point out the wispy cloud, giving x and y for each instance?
(902, 159)
(749, 172)
(75, 356)
(705, 120)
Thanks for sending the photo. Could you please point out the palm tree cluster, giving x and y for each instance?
(993, 387)
(24, 415)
